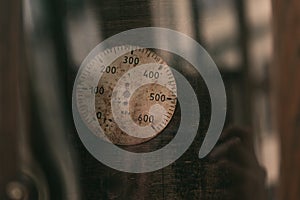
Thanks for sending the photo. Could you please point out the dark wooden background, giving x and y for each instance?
(286, 74)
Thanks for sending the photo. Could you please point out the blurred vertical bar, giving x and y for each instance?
(45, 54)
(245, 71)
(286, 84)
(11, 59)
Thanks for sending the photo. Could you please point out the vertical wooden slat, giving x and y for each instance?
(10, 61)
(287, 84)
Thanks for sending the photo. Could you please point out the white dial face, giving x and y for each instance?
(126, 95)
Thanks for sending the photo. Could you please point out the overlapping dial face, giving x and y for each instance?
(126, 95)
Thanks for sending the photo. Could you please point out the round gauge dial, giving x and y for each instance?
(126, 95)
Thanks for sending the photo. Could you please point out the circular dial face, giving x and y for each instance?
(126, 95)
